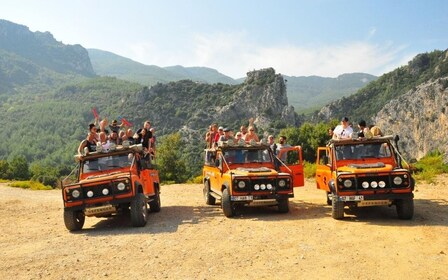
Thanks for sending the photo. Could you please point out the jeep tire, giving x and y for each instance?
(226, 204)
(209, 199)
(283, 205)
(405, 208)
(155, 203)
(337, 208)
(74, 220)
(139, 211)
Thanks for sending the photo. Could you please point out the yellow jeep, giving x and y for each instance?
(251, 175)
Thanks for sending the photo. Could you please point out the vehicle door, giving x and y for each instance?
(323, 168)
(212, 170)
(292, 158)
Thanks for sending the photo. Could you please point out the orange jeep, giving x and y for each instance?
(106, 183)
(251, 175)
(368, 172)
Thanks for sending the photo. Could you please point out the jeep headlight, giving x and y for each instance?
(365, 184)
(398, 180)
(348, 183)
(76, 193)
(121, 186)
(281, 183)
(241, 184)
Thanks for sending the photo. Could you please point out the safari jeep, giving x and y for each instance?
(105, 183)
(251, 175)
(358, 173)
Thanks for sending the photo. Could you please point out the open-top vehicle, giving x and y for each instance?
(108, 182)
(251, 175)
(365, 172)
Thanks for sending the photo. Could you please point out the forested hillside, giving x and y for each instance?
(368, 101)
(109, 64)
(308, 94)
(34, 62)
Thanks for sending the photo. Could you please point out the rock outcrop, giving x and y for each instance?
(263, 97)
(420, 118)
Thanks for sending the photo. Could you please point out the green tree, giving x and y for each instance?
(19, 168)
(169, 159)
(309, 137)
(46, 175)
(5, 171)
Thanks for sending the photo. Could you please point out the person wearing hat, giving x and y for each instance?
(219, 134)
(226, 136)
(343, 131)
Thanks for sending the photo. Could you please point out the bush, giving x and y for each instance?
(196, 180)
(309, 169)
(430, 166)
(33, 185)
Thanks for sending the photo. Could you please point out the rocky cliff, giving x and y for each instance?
(420, 118)
(263, 97)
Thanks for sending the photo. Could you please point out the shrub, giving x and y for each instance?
(429, 166)
(196, 180)
(33, 185)
(309, 169)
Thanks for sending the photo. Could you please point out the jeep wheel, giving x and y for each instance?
(209, 199)
(337, 209)
(139, 211)
(283, 205)
(226, 204)
(74, 220)
(405, 208)
(329, 202)
(155, 204)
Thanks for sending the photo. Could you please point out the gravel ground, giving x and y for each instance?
(190, 240)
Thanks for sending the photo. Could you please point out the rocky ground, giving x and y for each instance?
(190, 240)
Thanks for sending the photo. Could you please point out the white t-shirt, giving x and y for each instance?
(342, 133)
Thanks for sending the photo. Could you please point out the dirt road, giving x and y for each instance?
(190, 240)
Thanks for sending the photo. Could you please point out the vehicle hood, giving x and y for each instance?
(246, 171)
(105, 177)
(366, 167)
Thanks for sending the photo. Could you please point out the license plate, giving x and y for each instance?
(242, 198)
(351, 198)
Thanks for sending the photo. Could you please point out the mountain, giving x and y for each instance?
(410, 101)
(34, 62)
(420, 117)
(109, 64)
(42, 49)
(308, 94)
(368, 101)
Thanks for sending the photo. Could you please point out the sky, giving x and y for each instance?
(297, 38)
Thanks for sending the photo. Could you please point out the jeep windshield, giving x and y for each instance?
(363, 151)
(107, 163)
(245, 155)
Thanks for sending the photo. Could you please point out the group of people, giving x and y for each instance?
(106, 134)
(345, 130)
(247, 134)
